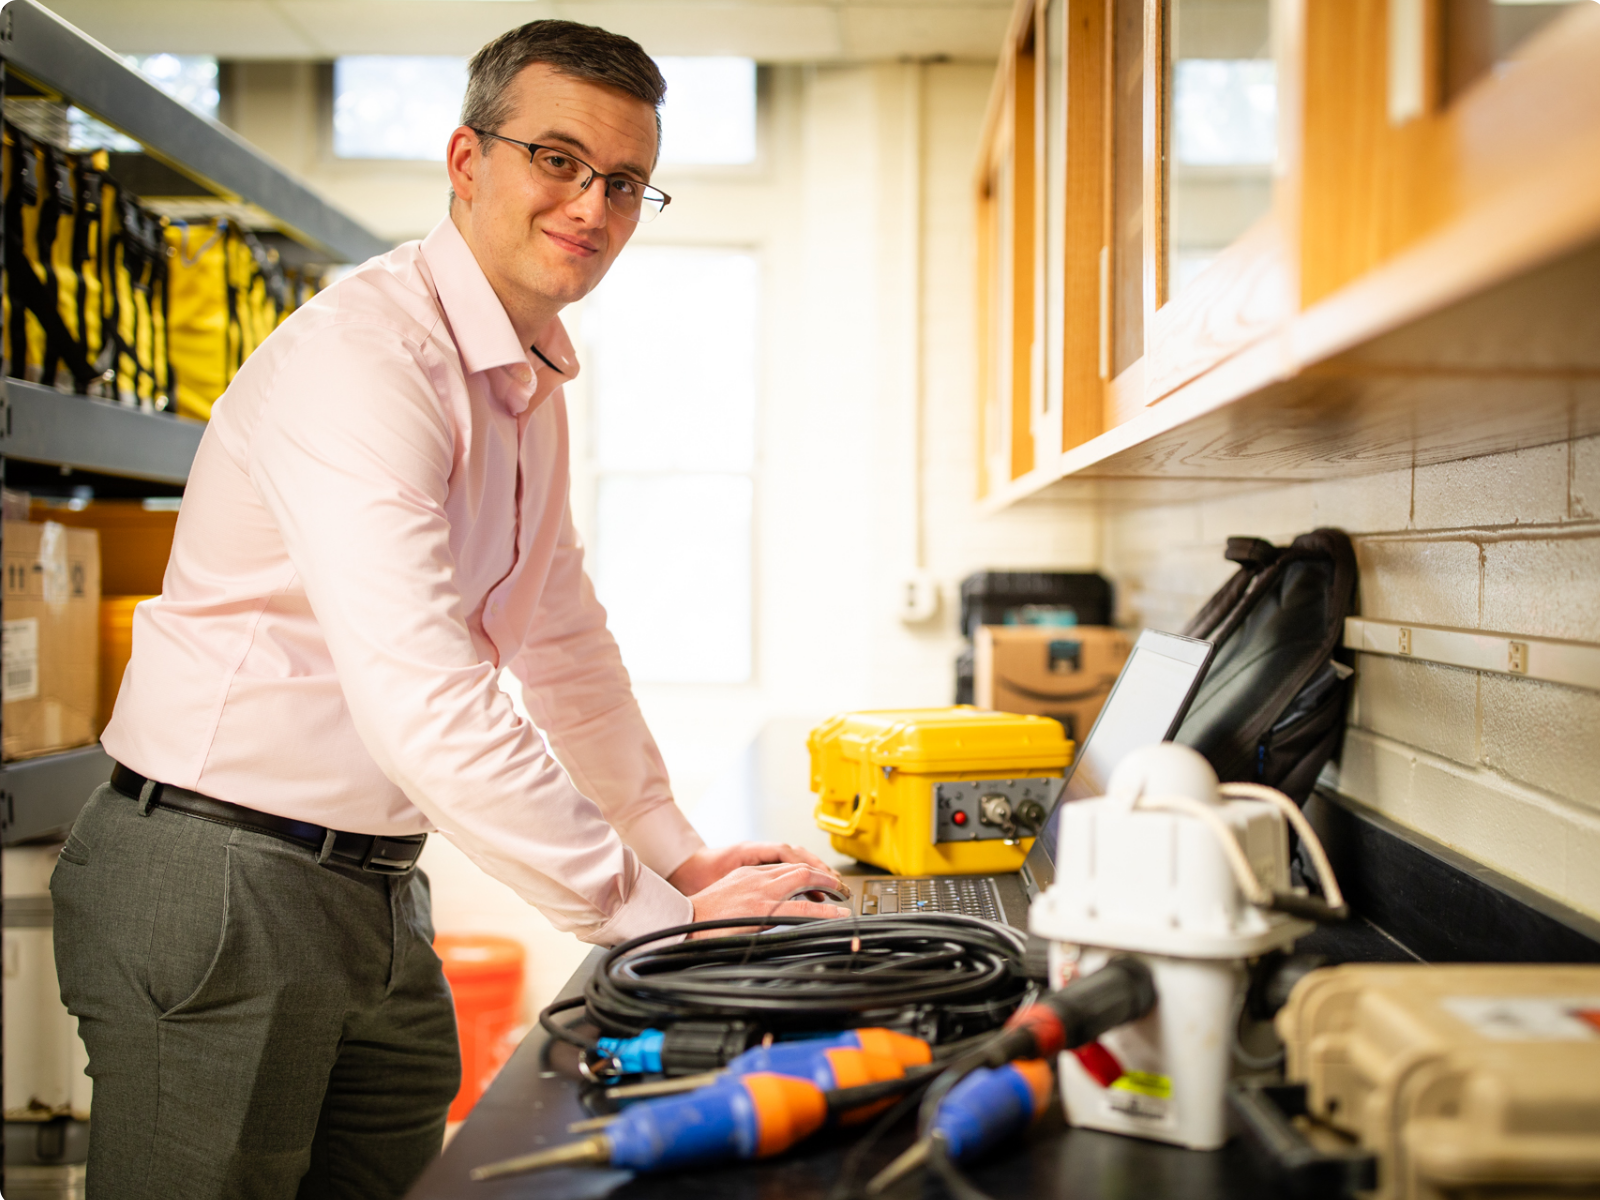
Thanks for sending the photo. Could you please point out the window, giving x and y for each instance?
(387, 106)
(671, 352)
(398, 107)
(191, 79)
(709, 117)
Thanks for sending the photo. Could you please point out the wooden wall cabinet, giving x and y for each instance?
(1162, 291)
(1041, 224)
(1007, 266)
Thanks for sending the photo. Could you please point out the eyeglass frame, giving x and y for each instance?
(594, 173)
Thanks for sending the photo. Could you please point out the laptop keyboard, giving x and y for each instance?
(971, 897)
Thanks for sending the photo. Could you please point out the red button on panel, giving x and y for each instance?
(958, 817)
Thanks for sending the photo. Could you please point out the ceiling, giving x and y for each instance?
(767, 30)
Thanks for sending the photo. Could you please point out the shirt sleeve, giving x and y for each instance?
(352, 455)
(578, 693)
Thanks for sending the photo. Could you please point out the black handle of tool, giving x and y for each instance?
(1121, 991)
(1266, 1111)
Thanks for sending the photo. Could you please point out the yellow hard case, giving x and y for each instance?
(874, 775)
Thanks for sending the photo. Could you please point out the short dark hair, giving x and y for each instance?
(581, 51)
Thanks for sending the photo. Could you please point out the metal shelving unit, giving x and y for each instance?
(64, 63)
(42, 796)
(42, 425)
(42, 55)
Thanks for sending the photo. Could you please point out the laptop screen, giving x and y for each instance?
(1145, 707)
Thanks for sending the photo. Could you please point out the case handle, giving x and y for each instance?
(839, 826)
(1267, 1112)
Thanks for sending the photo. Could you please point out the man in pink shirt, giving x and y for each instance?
(375, 526)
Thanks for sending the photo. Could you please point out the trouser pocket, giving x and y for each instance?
(141, 908)
(190, 919)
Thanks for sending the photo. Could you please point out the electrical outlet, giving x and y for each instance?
(1517, 659)
(919, 597)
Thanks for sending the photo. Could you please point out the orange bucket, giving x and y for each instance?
(485, 975)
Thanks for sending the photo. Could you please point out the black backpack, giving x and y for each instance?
(1271, 708)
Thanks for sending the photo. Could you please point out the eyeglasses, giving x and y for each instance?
(625, 196)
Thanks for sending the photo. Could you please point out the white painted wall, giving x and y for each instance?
(865, 235)
(1499, 768)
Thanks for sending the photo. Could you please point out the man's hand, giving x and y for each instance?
(764, 890)
(703, 868)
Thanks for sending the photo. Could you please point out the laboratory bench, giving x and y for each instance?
(1416, 899)
(537, 1095)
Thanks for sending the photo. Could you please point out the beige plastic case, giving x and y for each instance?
(1466, 1081)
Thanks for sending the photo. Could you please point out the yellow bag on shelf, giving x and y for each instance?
(136, 250)
(85, 282)
(52, 297)
(227, 293)
(197, 311)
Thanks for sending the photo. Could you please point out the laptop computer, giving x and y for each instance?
(1145, 707)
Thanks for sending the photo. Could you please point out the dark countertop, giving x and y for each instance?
(529, 1106)
(532, 1101)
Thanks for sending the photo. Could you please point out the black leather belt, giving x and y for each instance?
(364, 851)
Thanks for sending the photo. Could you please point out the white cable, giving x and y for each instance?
(1302, 826)
(1249, 884)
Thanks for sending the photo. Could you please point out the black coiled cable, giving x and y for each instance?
(809, 974)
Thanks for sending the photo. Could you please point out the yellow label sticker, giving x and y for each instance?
(1145, 1083)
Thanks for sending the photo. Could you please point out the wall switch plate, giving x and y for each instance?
(919, 597)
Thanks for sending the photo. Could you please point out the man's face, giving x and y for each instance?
(543, 245)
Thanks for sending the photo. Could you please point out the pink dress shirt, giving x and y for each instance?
(376, 523)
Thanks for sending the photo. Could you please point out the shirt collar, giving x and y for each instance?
(483, 332)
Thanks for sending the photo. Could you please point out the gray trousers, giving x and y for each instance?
(258, 1026)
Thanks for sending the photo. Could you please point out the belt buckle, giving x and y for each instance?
(382, 858)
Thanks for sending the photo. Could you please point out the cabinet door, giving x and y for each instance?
(1418, 113)
(1074, 289)
(1008, 209)
(1161, 174)
(1219, 136)
(1220, 164)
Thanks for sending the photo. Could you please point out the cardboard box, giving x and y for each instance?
(1065, 672)
(51, 679)
(135, 539)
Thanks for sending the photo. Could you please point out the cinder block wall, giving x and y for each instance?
(1505, 770)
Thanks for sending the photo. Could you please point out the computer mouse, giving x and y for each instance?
(823, 895)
